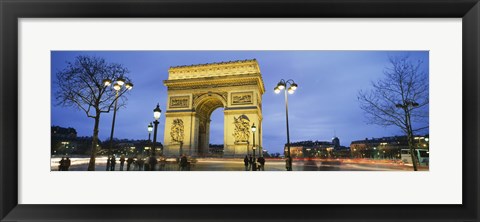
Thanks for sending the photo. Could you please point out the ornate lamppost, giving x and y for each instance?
(118, 86)
(150, 129)
(406, 108)
(156, 114)
(282, 85)
(254, 164)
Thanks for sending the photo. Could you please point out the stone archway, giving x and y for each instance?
(195, 91)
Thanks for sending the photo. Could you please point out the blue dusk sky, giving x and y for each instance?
(324, 104)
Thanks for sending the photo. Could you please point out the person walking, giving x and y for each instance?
(122, 161)
(246, 162)
(61, 164)
(152, 162)
(261, 160)
(67, 163)
(112, 163)
(140, 163)
(288, 163)
(129, 163)
(163, 161)
(183, 163)
(250, 161)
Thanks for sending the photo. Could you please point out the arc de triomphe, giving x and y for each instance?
(195, 91)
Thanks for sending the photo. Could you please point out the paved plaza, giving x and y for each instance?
(224, 164)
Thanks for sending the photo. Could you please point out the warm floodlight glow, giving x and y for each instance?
(121, 81)
(107, 82)
(129, 86)
(281, 85)
(157, 112)
(294, 86)
(117, 86)
(276, 90)
(290, 90)
(254, 128)
(150, 127)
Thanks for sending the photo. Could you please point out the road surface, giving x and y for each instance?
(224, 164)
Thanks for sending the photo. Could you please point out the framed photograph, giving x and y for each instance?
(227, 110)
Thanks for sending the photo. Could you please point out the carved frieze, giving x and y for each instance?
(179, 101)
(242, 98)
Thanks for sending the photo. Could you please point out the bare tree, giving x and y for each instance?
(399, 99)
(83, 84)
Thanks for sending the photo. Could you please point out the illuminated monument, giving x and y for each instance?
(195, 91)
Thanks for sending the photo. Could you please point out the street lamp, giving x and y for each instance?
(117, 86)
(150, 129)
(156, 114)
(291, 89)
(406, 108)
(254, 128)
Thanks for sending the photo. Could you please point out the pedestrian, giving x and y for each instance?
(67, 163)
(261, 160)
(250, 161)
(112, 163)
(183, 163)
(246, 162)
(146, 165)
(140, 163)
(152, 162)
(163, 161)
(61, 165)
(122, 161)
(288, 163)
(129, 163)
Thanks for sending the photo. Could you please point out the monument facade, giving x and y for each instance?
(195, 91)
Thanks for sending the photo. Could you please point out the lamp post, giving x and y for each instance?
(117, 87)
(282, 85)
(254, 164)
(406, 108)
(156, 114)
(150, 129)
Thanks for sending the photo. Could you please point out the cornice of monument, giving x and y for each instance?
(212, 71)
(214, 64)
(217, 81)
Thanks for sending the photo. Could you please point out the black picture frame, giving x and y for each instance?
(11, 11)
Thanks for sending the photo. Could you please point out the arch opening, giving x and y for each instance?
(204, 111)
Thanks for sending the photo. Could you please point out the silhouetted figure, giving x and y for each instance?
(147, 165)
(152, 161)
(288, 163)
(140, 163)
(129, 163)
(246, 162)
(61, 165)
(183, 163)
(261, 160)
(122, 161)
(113, 161)
(67, 164)
(163, 161)
(250, 161)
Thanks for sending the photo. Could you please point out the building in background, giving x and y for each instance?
(385, 147)
(319, 149)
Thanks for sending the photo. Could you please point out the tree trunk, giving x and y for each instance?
(91, 164)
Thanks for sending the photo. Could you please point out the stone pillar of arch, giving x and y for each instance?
(195, 91)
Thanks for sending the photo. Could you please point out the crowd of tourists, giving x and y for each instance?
(254, 165)
(148, 163)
